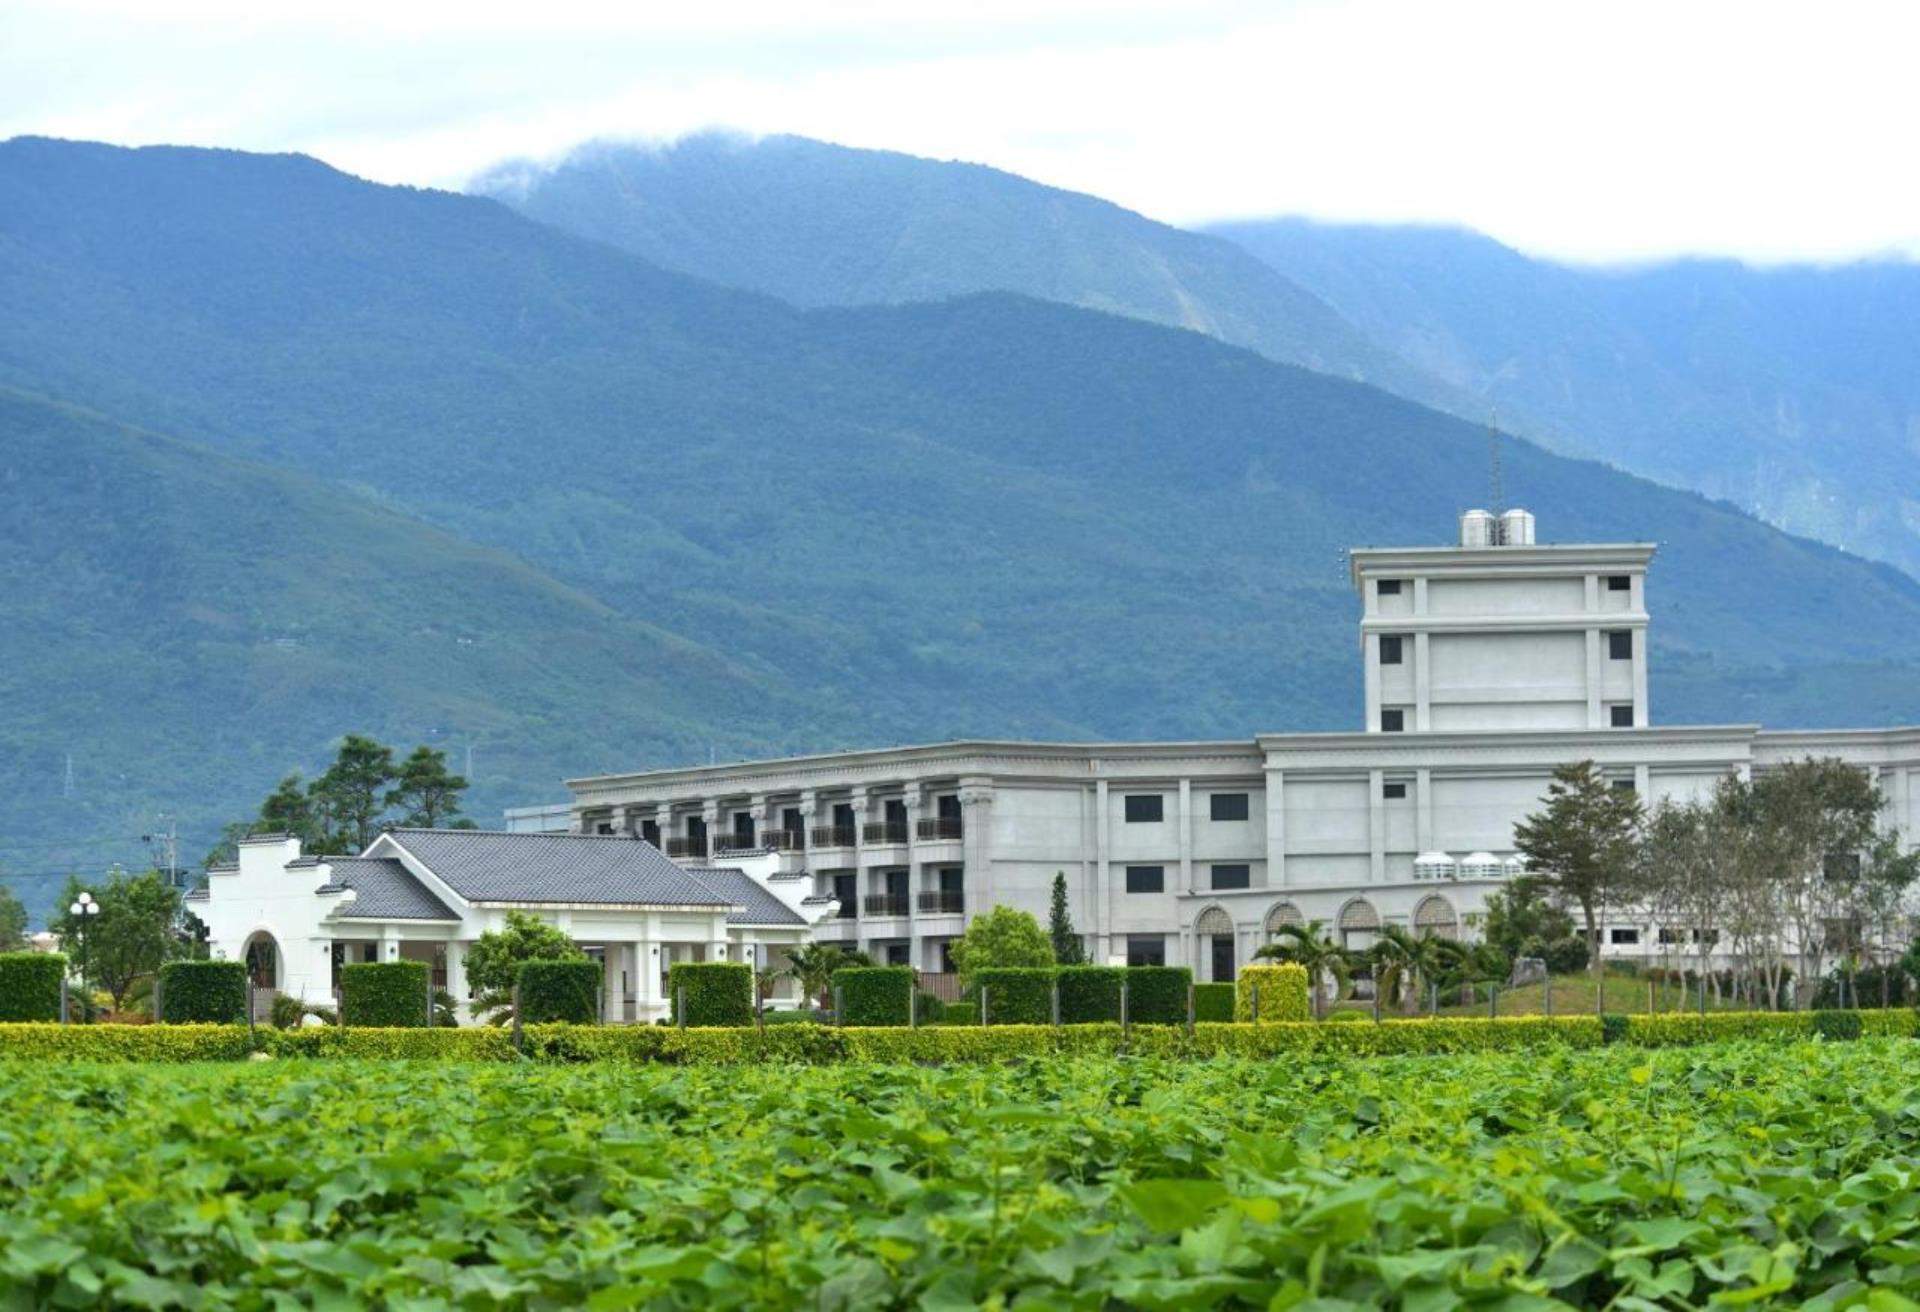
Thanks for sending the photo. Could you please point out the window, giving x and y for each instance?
(605, 829)
(1389, 587)
(846, 888)
(650, 830)
(1230, 877)
(1619, 583)
(1144, 808)
(1227, 806)
(1146, 879)
(1668, 937)
(1623, 785)
(1623, 937)
(1393, 792)
(1621, 716)
(1620, 644)
(1393, 720)
(1391, 645)
(899, 954)
(1146, 950)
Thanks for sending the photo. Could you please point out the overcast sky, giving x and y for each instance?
(1608, 130)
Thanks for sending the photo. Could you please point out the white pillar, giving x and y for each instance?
(611, 1010)
(389, 943)
(457, 979)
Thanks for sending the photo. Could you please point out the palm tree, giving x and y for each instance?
(1400, 960)
(1309, 946)
(813, 964)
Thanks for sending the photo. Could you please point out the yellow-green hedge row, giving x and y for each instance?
(822, 1044)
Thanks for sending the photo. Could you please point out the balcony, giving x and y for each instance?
(737, 843)
(682, 847)
(885, 904)
(936, 828)
(833, 836)
(943, 902)
(786, 840)
(881, 832)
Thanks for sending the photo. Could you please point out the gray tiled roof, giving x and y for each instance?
(488, 866)
(756, 905)
(197, 895)
(383, 890)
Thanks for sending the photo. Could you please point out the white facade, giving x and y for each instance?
(1487, 666)
(297, 919)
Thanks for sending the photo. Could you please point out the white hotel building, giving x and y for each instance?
(1487, 664)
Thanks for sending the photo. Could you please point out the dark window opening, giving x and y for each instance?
(1393, 792)
(947, 807)
(1393, 720)
(1232, 877)
(650, 830)
(1144, 808)
(1392, 647)
(1146, 950)
(843, 815)
(1619, 583)
(1620, 645)
(1146, 879)
(1389, 587)
(1623, 937)
(846, 889)
(1227, 806)
(1622, 716)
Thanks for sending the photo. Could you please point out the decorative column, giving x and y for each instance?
(1103, 865)
(1376, 828)
(710, 816)
(976, 838)
(1276, 828)
(1183, 830)
(612, 1010)
(457, 978)
(857, 799)
(389, 943)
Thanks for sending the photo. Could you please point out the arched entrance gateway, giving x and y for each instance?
(1215, 930)
(264, 966)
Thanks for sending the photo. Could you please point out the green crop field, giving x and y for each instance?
(1764, 1174)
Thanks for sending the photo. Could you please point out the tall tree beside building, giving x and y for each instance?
(1584, 845)
(1004, 938)
(494, 960)
(129, 938)
(13, 921)
(427, 793)
(1068, 949)
(352, 795)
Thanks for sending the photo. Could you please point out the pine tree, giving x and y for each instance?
(426, 791)
(352, 794)
(1068, 950)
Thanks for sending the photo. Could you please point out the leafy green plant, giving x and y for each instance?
(1157, 995)
(1213, 1002)
(708, 993)
(214, 992)
(566, 991)
(1837, 1025)
(1015, 995)
(495, 958)
(384, 994)
(1090, 993)
(1283, 993)
(30, 985)
(874, 995)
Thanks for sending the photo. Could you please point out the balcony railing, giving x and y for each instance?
(786, 840)
(737, 843)
(938, 827)
(886, 904)
(833, 836)
(687, 846)
(885, 831)
(944, 902)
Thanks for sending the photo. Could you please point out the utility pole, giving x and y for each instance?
(169, 846)
(67, 790)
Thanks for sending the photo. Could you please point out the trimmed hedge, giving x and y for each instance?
(1090, 993)
(203, 992)
(819, 1044)
(560, 991)
(964, 1012)
(1157, 995)
(383, 994)
(1213, 1003)
(30, 985)
(1016, 995)
(709, 993)
(1837, 1025)
(874, 995)
(1283, 993)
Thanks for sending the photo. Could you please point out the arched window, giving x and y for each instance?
(1435, 918)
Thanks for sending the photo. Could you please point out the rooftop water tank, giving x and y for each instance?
(1516, 528)
(1480, 865)
(1476, 529)
(1433, 865)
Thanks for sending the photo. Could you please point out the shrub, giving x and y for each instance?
(566, 991)
(404, 1043)
(381, 994)
(1864, 988)
(1090, 993)
(964, 1012)
(1613, 1028)
(1837, 1025)
(1283, 993)
(801, 1016)
(115, 1043)
(1213, 1003)
(1561, 956)
(928, 1008)
(874, 995)
(1683, 1028)
(1345, 1016)
(287, 1011)
(711, 992)
(1016, 995)
(211, 992)
(30, 985)
(1157, 995)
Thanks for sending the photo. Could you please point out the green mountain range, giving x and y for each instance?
(1792, 391)
(439, 472)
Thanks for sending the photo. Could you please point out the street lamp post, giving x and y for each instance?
(84, 909)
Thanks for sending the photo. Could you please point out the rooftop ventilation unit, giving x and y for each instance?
(1477, 529)
(1516, 529)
